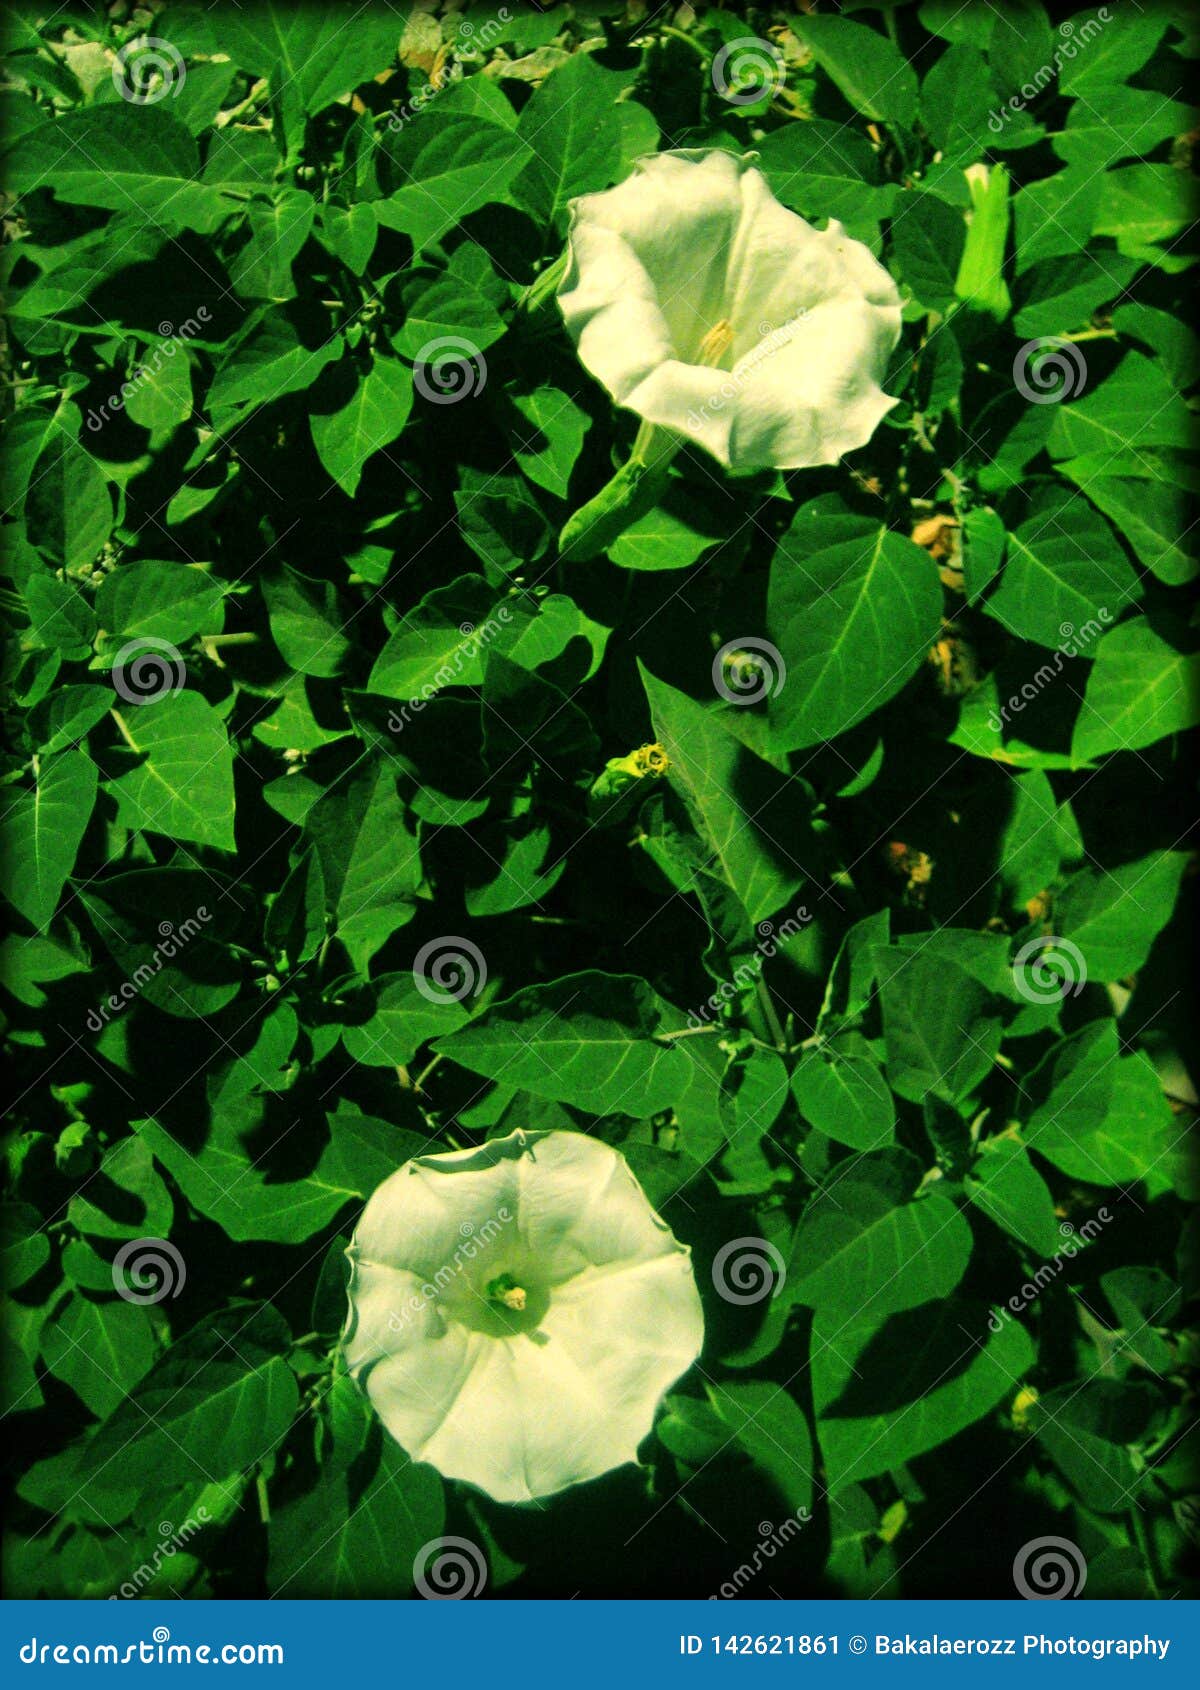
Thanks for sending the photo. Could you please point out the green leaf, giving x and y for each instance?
(840, 1089)
(283, 351)
(41, 832)
(455, 304)
(167, 930)
(100, 1349)
(1146, 494)
(928, 240)
(568, 129)
(853, 609)
(823, 169)
(1113, 53)
(162, 601)
(587, 1040)
(887, 1393)
(941, 1030)
(435, 645)
(547, 441)
(404, 1019)
(354, 416)
(675, 534)
(1141, 688)
(859, 1251)
(369, 857)
(1135, 406)
(125, 1198)
(868, 70)
(1008, 1189)
(1114, 915)
(753, 823)
(1065, 572)
(360, 1531)
(309, 55)
(1102, 1117)
(218, 1402)
(262, 269)
(958, 97)
(122, 156)
(68, 508)
(307, 623)
(454, 167)
(1141, 204)
(221, 1180)
(774, 1433)
(182, 785)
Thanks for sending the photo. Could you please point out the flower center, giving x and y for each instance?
(716, 344)
(505, 1291)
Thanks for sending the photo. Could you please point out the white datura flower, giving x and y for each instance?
(709, 309)
(517, 1311)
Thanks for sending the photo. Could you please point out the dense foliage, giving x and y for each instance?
(874, 970)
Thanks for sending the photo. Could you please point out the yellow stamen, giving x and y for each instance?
(507, 1292)
(716, 343)
(650, 760)
(514, 1299)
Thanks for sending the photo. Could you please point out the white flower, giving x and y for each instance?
(518, 1311)
(706, 307)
